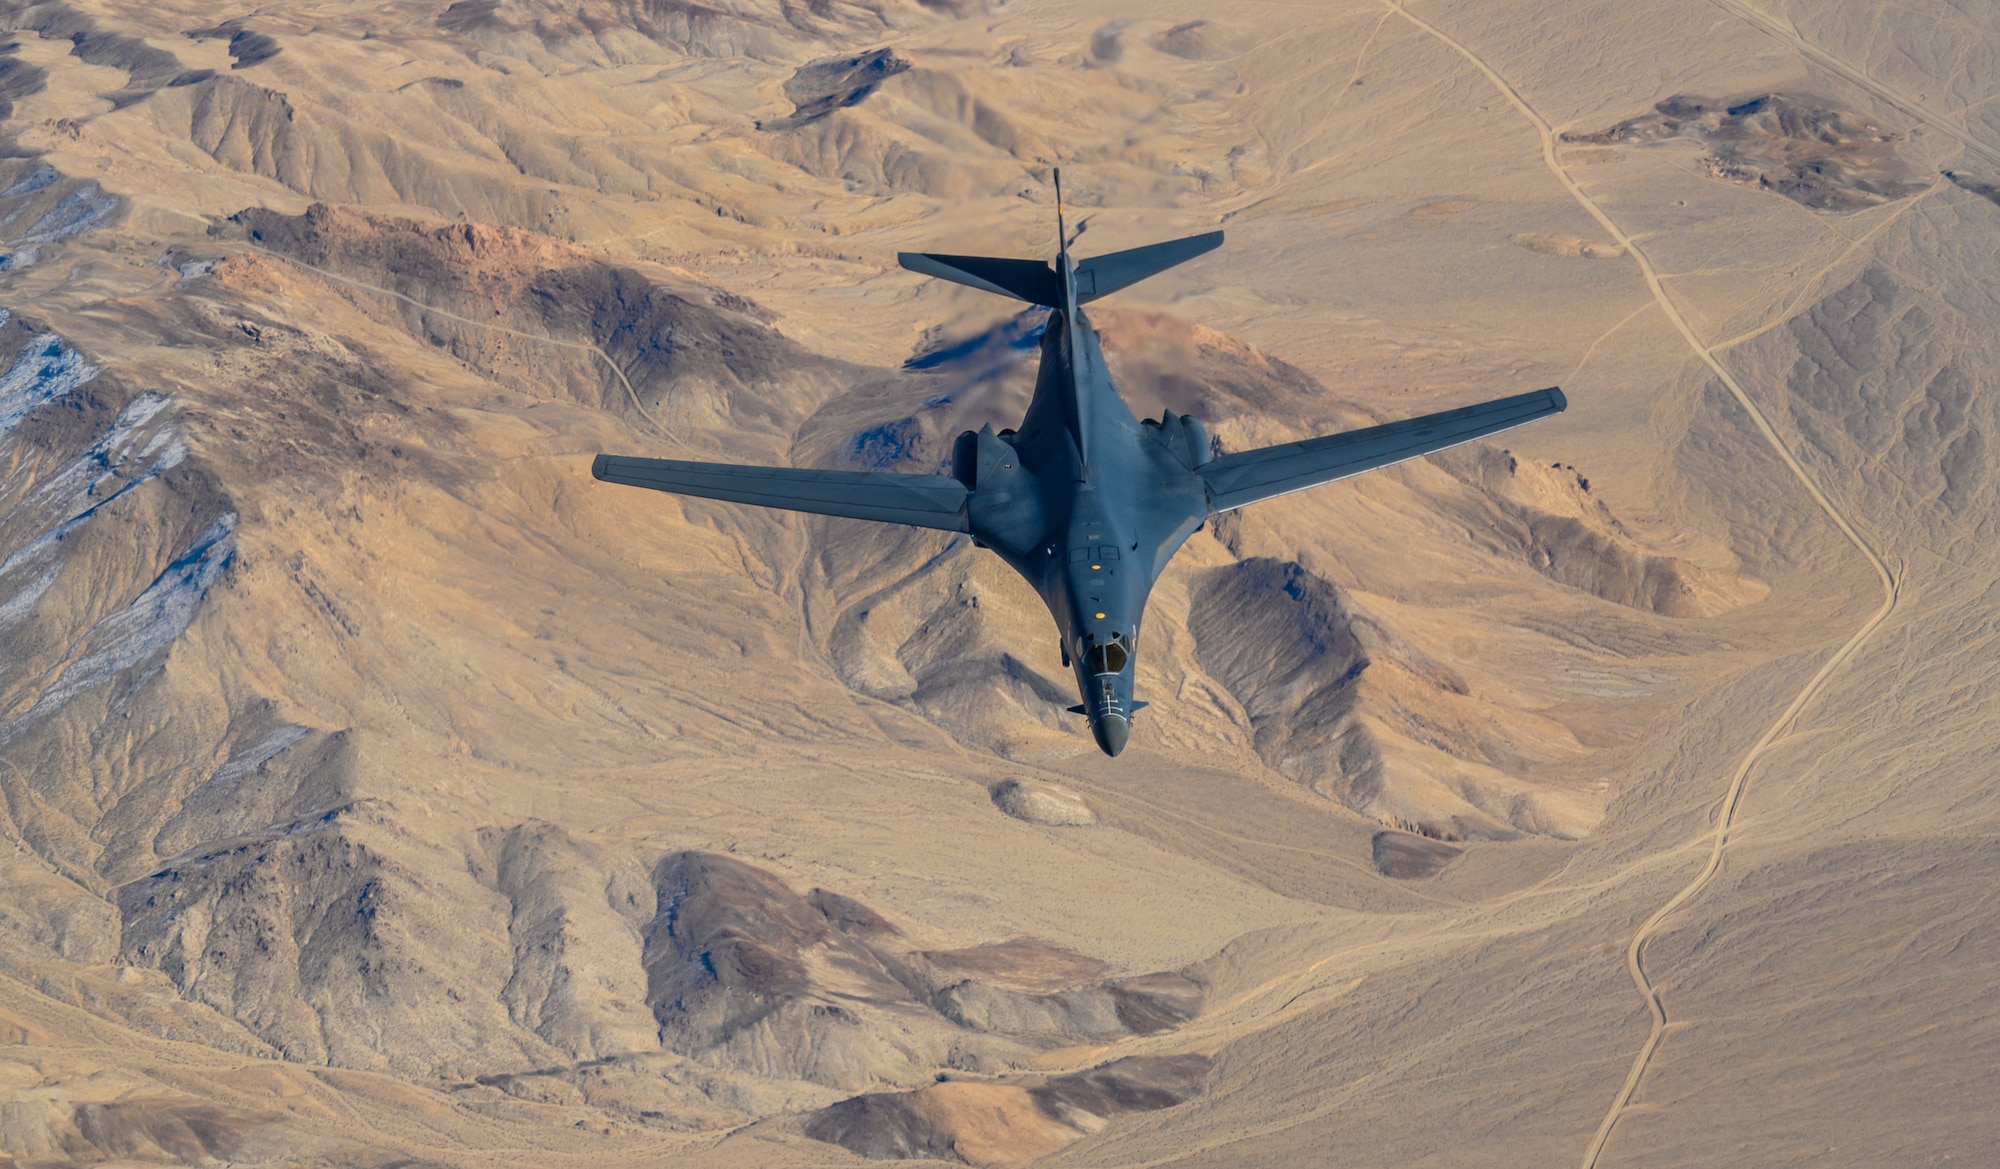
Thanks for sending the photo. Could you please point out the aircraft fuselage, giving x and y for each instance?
(1085, 501)
(1088, 504)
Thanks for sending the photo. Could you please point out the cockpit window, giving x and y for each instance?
(1109, 658)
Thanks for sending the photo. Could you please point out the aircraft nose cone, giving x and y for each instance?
(1111, 731)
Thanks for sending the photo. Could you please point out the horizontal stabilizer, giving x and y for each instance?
(1084, 710)
(1104, 275)
(1238, 479)
(924, 501)
(1030, 280)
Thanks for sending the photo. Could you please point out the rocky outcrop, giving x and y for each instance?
(1005, 1123)
(1042, 803)
(744, 973)
(1548, 517)
(1796, 145)
(674, 359)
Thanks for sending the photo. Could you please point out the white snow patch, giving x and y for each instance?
(145, 627)
(70, 496)
(266, 749)
(43, 371)
(17, 607)
(42, 176)
(81, 210)
(138, 445)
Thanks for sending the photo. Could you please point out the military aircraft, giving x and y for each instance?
(1082, 499)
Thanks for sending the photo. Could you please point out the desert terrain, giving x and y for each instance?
(382, 790)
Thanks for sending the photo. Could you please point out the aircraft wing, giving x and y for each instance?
(924, 501)
(1239, 479)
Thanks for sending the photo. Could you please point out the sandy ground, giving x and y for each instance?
(380, 789)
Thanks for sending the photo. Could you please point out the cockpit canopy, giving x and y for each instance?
(1106, 657)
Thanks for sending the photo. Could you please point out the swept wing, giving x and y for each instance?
(926, 501)
(1239, 479)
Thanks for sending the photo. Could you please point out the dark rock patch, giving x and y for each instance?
(188, 1131)
(1798, 146)
(743, 972)
(681, 354)
(1196, 40)
(1023, 963)
(1005, 1122)
(246, 48)
(832, 83)
(1107, 44)
(1134, 1084)
(471, 16)
(1989, 191)
(1152, 1003)
(882, 1126)
(1406, 856)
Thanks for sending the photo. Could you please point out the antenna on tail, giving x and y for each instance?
(1062, 233)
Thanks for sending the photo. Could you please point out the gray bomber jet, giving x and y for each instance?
(1084, 500)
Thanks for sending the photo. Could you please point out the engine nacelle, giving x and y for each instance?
(965, 458)
(1200, 447)
(1184, 435)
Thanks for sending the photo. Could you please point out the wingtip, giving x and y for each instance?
(1558, 399)
(598, 466)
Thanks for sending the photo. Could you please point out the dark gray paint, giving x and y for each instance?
(1085, 501)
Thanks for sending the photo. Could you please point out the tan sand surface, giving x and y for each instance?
(380, 789)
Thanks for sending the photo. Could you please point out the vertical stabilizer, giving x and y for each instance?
(1079, 396)
(1062, 233)
(1065, 271)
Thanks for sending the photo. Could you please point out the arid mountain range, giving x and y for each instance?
(382, 790)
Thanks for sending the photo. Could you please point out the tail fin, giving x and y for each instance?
(1037, 283)
(1104, 275)
(1062, 233)
(1030, 280)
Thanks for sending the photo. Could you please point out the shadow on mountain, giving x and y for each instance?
(1985, 190)
(1341, 704)
(680, 359)
(744, 973)
(1409, 856)
(1547, 516)
(832, 83)
(145, 1130)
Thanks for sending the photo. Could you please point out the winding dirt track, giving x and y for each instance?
(1635, 954)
